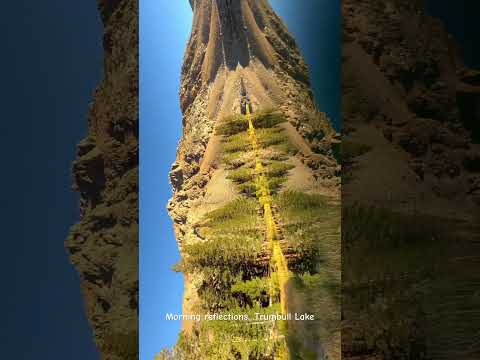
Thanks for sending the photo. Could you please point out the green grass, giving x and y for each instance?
(237, 143)
(232, 243)
(277, 169)
(276, 156)
(311, 226)
(232, 125)
(225, 340)
(320, 295)
(286, 148)
(267, 118)
(299, 206)
(231, 237)
(266, 137)
(235, 124)
(234, 160)
(234, 252)
(406, 238)
(250, 187)
(271, 136)
(238, 214)
(392, 262)
(241, 175)
(244, 177)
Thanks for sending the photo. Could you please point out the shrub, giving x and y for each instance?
(267, 119)
(250, 188)
(311, 226)
(232, 239)
(125, 346)
(235, 251)
(232, 125)
(239, 339)
(257, 290)
(271, 136)
(234, 160)
(239, 213)
(235, 124)
(277, 169)
(241, 175)
(237, 143)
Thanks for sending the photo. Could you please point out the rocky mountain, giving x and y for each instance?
(410, 193)
(404, 79)
(103, 245)
(240, 58)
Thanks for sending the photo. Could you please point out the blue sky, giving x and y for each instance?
(51, 62)
(315, 24)
(164, 30)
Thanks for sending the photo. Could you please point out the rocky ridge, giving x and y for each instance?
(404, 76)
(103, 245)
(235, 47)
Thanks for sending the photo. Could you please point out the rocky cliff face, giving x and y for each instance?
(410, 194)
(103, 246)
(404, 77)
(237, 49)
(240, 53)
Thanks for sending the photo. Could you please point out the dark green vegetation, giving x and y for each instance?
(238, 155)
(125, 346)
(237, 146)
(266, 137)
(322, 138)
(404, 276)
(262, 119)
(229, 252)
(395, 246)
(232, 262)
(244, 176)
(311, 227)
(233, 281)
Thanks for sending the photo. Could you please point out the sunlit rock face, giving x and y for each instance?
(241, 49)
(228, 35)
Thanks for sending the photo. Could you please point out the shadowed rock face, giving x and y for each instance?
(410, 198)
(404, 77)
(103, 245)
